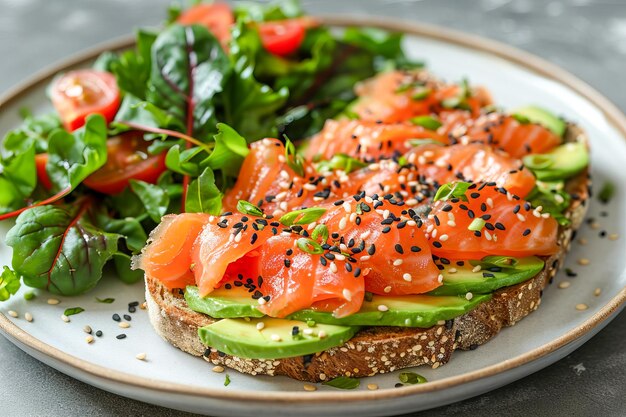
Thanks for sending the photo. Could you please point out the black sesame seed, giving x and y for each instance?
(437, 244)
(133, 304)
(323, 261)
(570, 273)
(99, 333)
(386, 229)
(287, 263)
(399, 249)
(127, 317)
(371, 250)
(116, 317)
(295, 331)
(526, 232)
(500, 226)
(120, 336)
(415, 249)
(357, 272)
(132, 309)
(447, 207)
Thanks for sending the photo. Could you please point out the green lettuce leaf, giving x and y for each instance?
(203, 196)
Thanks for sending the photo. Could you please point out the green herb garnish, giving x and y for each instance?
(304, 216)
(411, 378)
(29, 295)
(420, 142)
(9, 283)
(309, 246)
(294, 161)
(452, 190)
(245, 207)
(607, 192)
(320, 231)
(73, 311)
(343, 382)
(421, 94)
(105, 300)
(342, 162)
(226, 380)
(476, 225)
(427, 122)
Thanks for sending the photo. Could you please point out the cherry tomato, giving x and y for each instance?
(42, 175)
(282, 37)
(77, 94)
(127, 159)
(217, 17)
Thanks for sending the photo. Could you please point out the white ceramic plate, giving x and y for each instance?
(171, 378)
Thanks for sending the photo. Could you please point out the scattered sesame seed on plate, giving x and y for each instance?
(321, 334)
(65, 318)
(260, 325)
(583, 241)
(218, 369)
(309, 387)
(583, 261)
(613, 236)
(372, 387)
(13, 314)
(597, 291)
(141, 356)
(89, 339)
(87, 329)
(564, 284)
(581, 307)
(124, 325)
(53, 301)
(383, 307)
(276, 338)
(469, 296)
(28, 317)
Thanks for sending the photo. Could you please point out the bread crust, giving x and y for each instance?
(380, 349)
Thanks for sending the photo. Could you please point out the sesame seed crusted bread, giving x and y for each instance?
(380, 349)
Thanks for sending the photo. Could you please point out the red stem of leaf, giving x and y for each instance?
(49, 200)
(190, 140)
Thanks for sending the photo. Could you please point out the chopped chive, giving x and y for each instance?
(304, 216)
(606, 193)
(427, 122)
(105, 300)
(476, 225)
(452, 190)
(320, 231)
(245, 207)
(226, 380)
(309, 246)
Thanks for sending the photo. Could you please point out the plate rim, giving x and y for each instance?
(477, 43)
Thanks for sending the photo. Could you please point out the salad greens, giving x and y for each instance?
(199, 106)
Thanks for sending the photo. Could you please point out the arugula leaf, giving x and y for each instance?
(58, 248)
(132, 68)
(411, 378)
(105, 300)
(203, 196)
(153, 197)
(189, 69)
(181, 162)
(343, 382)
(72, 157)
(73, 311)
(304, 216)
(229, 152)
(9, 283)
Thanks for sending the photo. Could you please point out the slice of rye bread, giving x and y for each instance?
(380, 349)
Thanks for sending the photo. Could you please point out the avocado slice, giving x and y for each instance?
(538, 115)
(223, 303)
(495, 272)
(562, 162)
(403, 311)
(274, 338)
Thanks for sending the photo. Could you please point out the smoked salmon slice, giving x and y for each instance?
(487, 220)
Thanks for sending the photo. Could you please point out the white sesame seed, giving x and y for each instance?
(365, 234)
(309, 187)
(385, 214)
(440, 278)
(283, 206)
(347, 294)
(469, 296)
(613, 236)
(477, 268)
(141, 356)
(65, 318)
(564, 284)
(597, 291)
(452, 270)
(581, 307)
(383, 307)
(583, 261)
(124, 325)
(276, 338)
(321, 334)
(260, 325)
(53, 301)
(397, 262)
(309, 387)
(443, 237)
(372, 387)
(489, 202)
(387, 289)
(13, 314)
(218, 369)
(28, 317)
(451, 223)
(347, 207)
(307, 331)
(521, 217)
(407, 277)
(411, 223)
(238, 237)
(261, 301)
(333, 267)
(434, 233)
(365, 258)
(342, 223)
(87, 329)
(545, 215)
(89, 339)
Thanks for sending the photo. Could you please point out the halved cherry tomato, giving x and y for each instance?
(127, 159)
(77, 94)
(282, 37)
(217, 17)
(42, 175)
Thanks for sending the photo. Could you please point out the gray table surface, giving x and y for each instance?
(587, 37)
